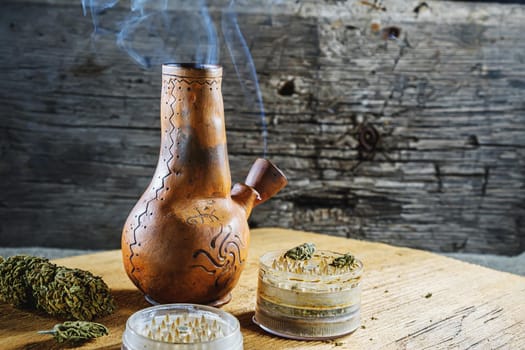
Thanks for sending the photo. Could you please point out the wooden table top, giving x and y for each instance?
(411, 300)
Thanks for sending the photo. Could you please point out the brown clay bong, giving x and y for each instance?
(186, 240)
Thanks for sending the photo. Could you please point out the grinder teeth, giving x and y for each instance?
(183, 329)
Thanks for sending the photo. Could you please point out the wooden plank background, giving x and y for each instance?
(79, 128)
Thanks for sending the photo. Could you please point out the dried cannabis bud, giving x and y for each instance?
(27, 281)
(343, 261)
(302, 252)
(76, 332)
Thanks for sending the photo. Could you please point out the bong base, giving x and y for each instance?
(216, 303)
(222, 301)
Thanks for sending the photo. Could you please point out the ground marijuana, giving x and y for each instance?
(343, 261)
(76, 332)
(28, 281)
(301, 252)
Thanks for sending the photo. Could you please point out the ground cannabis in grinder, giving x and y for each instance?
(301, 252)
(343, 261)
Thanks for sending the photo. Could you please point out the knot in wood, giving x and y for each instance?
(391, 33)
(368, 138)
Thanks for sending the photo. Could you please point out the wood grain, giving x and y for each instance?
(79, 133)
(411, 300)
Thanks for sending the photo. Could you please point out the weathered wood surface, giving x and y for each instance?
(470, 307)
(80, 131)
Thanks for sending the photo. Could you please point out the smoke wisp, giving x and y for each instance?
(159, 31)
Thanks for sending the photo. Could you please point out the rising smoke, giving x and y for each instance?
(154, 32)
(159, 31)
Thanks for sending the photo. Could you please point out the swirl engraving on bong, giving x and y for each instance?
(220, 260)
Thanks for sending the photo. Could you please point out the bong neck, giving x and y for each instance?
(193, 131)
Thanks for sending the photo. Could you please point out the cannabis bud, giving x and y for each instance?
(76, 332)
(302, 252)
(60, 291)
(343, 261)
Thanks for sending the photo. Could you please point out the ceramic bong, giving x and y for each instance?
(186, 240)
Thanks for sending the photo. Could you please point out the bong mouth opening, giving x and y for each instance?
(193, 70)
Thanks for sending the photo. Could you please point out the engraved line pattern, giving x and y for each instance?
(201, 217)
(223, 265)
(180, 79)
(156, 197)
